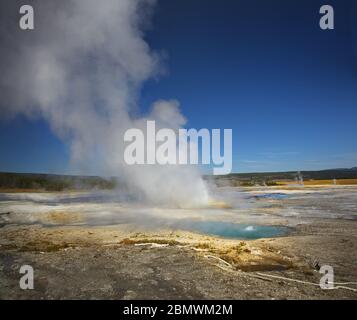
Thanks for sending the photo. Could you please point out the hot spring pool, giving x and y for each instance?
(234, 230)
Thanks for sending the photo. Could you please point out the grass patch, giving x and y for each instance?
(204, 245)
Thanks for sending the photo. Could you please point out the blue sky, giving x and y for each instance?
(262, 68)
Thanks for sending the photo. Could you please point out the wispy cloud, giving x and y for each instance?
(274, 154)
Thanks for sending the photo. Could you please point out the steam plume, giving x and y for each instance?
(81, 69)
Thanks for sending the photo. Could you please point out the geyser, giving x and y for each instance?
(81, 69)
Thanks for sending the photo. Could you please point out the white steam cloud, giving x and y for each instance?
(81, 69)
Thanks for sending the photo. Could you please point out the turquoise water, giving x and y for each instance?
(236, 231)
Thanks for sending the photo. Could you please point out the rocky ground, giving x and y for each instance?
(110, 263)
(74, 260)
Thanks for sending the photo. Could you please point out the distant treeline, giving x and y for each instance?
(51, 182)
(270, 178)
